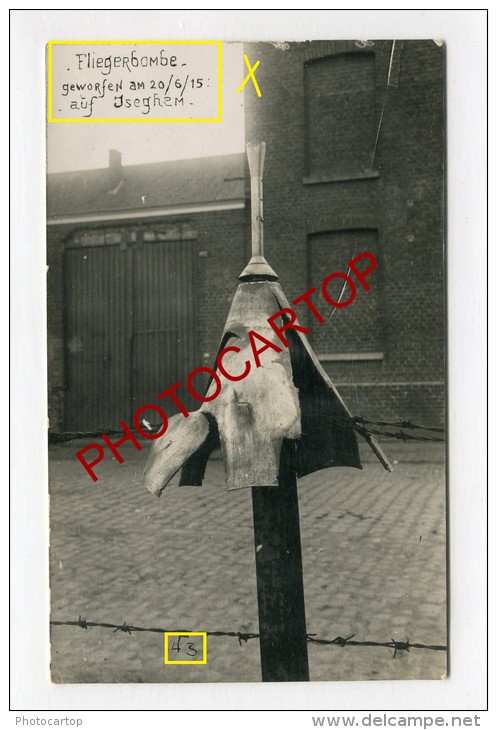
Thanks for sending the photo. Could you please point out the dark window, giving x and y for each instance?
(357, 327)
(339, 103)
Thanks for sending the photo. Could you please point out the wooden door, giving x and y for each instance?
(129, 326)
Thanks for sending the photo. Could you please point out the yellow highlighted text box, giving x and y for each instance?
(217, 117)
(186, 647)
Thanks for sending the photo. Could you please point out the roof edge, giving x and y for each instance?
(133, 214)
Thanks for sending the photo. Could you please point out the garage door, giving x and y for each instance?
(129, 305)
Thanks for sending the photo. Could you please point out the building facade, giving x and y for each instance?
(144, 260)
(355, 162)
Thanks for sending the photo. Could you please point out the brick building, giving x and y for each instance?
(355, 162)
(143, 262)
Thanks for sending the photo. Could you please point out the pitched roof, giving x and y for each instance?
(147, 186)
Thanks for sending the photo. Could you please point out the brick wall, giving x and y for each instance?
(223, 247)
(401, 196)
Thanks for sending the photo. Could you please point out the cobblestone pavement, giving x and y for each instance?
(374, 559)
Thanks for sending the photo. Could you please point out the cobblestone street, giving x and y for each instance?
(374, 560)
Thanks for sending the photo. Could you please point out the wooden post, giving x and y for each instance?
(278, 555)
(288, 419)
(280, 586)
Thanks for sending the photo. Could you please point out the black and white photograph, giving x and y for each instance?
(245, 336)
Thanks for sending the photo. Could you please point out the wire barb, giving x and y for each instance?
(82, 622)
(400, 646)
(124, 627)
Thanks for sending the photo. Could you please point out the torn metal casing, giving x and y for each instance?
(289, 396)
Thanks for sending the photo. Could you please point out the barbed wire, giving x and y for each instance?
(129, 629)
(358, 423)
(401, 435)
(392, 644)
(398, 424)
(56, 437)
(244, 636)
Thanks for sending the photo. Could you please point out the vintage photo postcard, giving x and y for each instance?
(246, 360)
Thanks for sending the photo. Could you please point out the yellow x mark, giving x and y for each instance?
(250, 75)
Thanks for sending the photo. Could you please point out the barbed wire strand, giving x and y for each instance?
(358, 423)
(399, 424)
(397, 435)
(244, 636)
